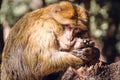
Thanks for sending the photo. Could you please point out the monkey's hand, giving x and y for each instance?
(82, 43)
(87, 53)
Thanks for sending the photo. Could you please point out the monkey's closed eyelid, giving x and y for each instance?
(65, 25)
(71, 26)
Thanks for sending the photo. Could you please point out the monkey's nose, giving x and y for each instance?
(70, 38)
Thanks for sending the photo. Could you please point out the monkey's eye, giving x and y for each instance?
(81, 34)
(66, 27)
(77, 30)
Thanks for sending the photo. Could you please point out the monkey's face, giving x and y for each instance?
(72, 21)
(68, 39)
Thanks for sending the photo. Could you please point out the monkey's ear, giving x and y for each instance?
(65, 9)
(56, 9)
(57, 14)
(63, 12)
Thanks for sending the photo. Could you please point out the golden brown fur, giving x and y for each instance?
(32, 49)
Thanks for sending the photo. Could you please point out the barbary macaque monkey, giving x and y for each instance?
(46, 41)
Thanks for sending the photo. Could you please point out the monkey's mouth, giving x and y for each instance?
(66, 46)
(69, 44)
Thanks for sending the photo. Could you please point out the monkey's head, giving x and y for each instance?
(72, 20)
(68, 21)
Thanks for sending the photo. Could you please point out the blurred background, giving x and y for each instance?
(104, 22)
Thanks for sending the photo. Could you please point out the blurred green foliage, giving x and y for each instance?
(98, 19)
(11, 10)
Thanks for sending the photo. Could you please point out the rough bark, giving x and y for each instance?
(94, 72)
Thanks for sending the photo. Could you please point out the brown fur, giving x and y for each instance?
(32, 50)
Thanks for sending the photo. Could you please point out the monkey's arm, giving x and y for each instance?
(52, 61)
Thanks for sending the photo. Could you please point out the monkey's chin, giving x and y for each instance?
(64, 47)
